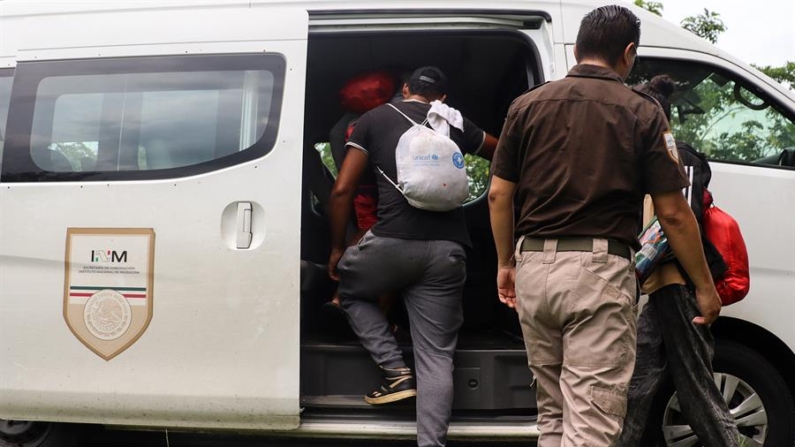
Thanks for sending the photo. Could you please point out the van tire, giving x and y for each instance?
(37, 434)
(755, 373)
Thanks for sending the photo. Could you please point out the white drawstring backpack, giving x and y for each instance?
(431, 172)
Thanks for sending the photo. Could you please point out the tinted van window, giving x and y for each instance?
(145, 117)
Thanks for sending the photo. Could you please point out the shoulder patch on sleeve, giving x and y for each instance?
(670, 145)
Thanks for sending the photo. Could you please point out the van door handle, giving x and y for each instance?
(243, 225)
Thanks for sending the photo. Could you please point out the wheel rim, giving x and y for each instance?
(745, 406)
(23, 433)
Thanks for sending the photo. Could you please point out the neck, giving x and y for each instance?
(597, 62)
(419, 98)
(601, 63)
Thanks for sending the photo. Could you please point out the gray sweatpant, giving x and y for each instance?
(430, 276)
(669, 343)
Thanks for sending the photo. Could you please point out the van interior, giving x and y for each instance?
(487, 70)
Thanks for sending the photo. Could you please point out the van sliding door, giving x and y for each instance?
(149, 239)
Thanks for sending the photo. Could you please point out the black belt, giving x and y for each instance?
(578, 244)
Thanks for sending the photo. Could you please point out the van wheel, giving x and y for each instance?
(757, 397)
(36, 434)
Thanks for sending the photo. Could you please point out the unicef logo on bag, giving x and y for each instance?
(426, 160)
(458, 160)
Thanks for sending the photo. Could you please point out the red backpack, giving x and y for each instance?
(724, 233)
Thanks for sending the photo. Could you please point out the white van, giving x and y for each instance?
(163, 217)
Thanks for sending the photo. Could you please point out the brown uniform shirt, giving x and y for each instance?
(584, 151)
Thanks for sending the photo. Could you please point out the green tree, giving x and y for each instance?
(653, 7)
(784, 74)
(478, 173)
(708, 25)
(745, 145)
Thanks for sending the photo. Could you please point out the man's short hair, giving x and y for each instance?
(606, 31)
(428, 82)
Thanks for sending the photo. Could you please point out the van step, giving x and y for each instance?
(352, 402)
(461, 428)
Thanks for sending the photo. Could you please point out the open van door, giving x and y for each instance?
(150, 222)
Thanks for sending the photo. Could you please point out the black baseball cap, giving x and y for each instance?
(431, 76)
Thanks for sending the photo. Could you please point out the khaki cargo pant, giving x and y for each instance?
(578, 319)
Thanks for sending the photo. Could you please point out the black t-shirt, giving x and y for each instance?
(377, 134)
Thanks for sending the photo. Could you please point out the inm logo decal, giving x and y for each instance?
(108, 256)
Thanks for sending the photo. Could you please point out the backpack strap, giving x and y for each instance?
(388, 179)
(406, 116)
(414, 124)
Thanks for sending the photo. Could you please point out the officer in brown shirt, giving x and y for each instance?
(578, 155)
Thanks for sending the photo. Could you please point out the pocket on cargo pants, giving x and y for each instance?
(599, 345)
(610, 401)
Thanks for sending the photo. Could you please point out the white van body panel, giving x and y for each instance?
(147, 32)
(546, 47)
(222, 349)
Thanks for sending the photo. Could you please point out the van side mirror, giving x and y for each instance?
(748, 99)
(785, 158)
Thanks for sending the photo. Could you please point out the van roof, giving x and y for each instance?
(656, 32)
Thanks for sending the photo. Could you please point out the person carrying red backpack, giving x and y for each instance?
(672, 340)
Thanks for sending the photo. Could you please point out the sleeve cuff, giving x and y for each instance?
(505, 174)
(662, 189)
(356, 146)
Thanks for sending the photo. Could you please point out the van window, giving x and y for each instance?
(721, 115)
(150, 117)
(5, 97)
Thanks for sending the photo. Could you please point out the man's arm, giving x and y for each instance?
(680, 227)
(488, 147)
(501, 194)
(341, 204)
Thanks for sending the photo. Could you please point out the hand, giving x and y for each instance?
(333, 260)
(506, 289)
(709, 305)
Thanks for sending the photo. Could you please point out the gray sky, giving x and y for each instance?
(760, 32)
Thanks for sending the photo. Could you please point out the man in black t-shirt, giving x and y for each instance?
(419, 253)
